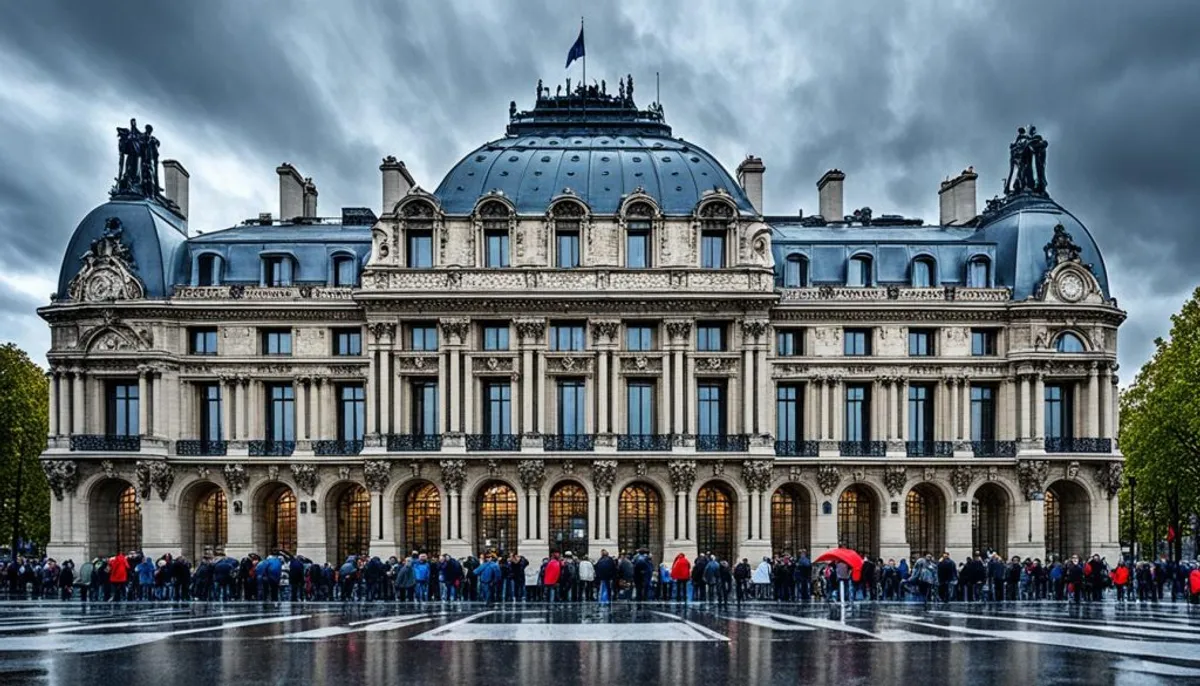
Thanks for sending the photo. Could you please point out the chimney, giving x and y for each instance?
(396, 182)
(829, 189)
(175, 180)
(310, 198)
(291, 192)
(750, 177)
(956, 198)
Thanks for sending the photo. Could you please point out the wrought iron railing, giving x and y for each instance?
(403, 443)
(1063, 444)
(646, 442)
(723, 443)
(336, 447)
(493, 442)
(200, 448)
(797, 448)
(862, 448)
(569, 442)
(106, 443)
(271, 448)
(994, 448)
(929, 448)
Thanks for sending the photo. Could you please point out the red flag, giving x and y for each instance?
(1170, 534)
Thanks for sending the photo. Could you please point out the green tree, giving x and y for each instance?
(24, 417)
(1160, 431)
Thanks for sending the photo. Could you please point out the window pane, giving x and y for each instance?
(983, 342)
(857, 411)
(281, 401)
(983, 413)
(568, 249)
(637, 250)
(424, 337)
(497, 407)
(712, 246)
(567, 337)
(977, 273)
(920, 413)
(922, 274)
(572, 406)
(497, 249)
(787, 413)
(788, 343)
(420, 249)
(710, 338)
(638, 338)
(640, 401)
(710, 401)
(858, 272)
(425, 408)
(857, 342)
(495, 338)
(210, 412)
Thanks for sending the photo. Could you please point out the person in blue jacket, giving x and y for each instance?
(420, 570)
(145, 573)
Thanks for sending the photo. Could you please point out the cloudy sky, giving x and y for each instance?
(897, 94)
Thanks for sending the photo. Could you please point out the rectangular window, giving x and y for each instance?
(422, 337)
(210, 413)
(857, 342)
(789, 342)
(858, 412)
(277, 341)
(637, 244)
(572, 407)
(712, 249)
(281, 412)
(789, 411)
(202, 341)
(983, 342)
(639, 338)
(1060, 411)
(983, 413)
(277, 271)
(920, 413)
(710, 408)
(710, 337)
(567, 255)
(122, 409)
(347, 342)
(343, 271)
(921, 343)
(496, 249)
(425, 407)
(420, 249)
(495, 337)
(640, 411)
(352, 413)
(497, 407)
(567, 337)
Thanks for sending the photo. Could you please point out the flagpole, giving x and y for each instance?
(581, 34)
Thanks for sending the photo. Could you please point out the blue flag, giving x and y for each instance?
(577, 49)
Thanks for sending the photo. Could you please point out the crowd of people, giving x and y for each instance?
(564, 577)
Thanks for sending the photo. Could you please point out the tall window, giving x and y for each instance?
(496, 519)
(989, 520)
(497, 408)
(858, 412)
(567, 337)
(572, 407)
(795, 272)
(710, 408)
(210, 413)
(344, 271)
(281, 520)
(353, 522)
(856, 526)
(710, 337)
(423, 520)
(920, 413)
(979, 273)
(924, 515)
(983, 342)
(789, 412)
(637, 236)
(203, 341)
(983, 413)
(639, 338)
(209, 270)
(277, 270)
(211, 525)
(639, 519)
(715, 522)
(352, 409)
(495, 337)
(789, 342)
(790, 520)
(423, 337)
(122, 409)
(857, 342)
(281, 412)
(1060, 411)
(921, 343)
(922, 273)
(420, 246)
(858, 271)
(277, 341)
(639, 415)
(347, 342)
(129, 522)
(714, 228)
(424, 407)
(569, 519)
(495, 234)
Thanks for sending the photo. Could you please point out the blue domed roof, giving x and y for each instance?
(156, 236)
(601, 154)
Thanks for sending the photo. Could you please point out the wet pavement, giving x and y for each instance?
(1033, 643)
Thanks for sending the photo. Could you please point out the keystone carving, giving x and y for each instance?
(63, 476)
(894, 478)
(604, 474)
(757, 474)
(377, 474)
(1032, 476)
(108, 468)
(235, 478)
(306, 477)
(828, 478)
(1109, 476)
(1072, 471)
(532, 474)
(142, 471)
(682, 474)
(961, 478)
(454, 474)
(162, 476)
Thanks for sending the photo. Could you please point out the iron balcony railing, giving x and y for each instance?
(106, 443)
(797, 448)
(929, 448)
(337, 447)
(1063, 444)
(863, 448)
(404, 443)
(994, 448)
(723, 443)
(493, 442)
(569, 442)
(200, 448)
(645, 442)
(272, 448)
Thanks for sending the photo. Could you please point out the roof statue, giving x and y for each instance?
(1061, 248)
(1027, 163)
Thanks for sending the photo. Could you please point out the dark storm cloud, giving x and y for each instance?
(898, 95)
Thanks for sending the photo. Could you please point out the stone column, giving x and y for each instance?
(469, 396)
(1039, 407)
(810, 423)
(455, 391)
(964, 426)
(902, 430)
(385, 388)
(226, 387)
(399, 401)
(1021, 407)
(143, 401)
(372, 386)
(952, 390)
(1106, 401)
(301, 385)
(677, 399)
(690, 391)
(839, 410)
(78, 392)
(52, 380)
(602, 393)
(526, 387)
(747, 388)
(1092, 428)
(765, 413)
(539, 415)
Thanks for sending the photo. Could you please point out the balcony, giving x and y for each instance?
(994, 448)
(200, 448)
(929, 448)
(414, 443)
(1064, 444)
(644, 442)
(336, 447)
(569, 442)
(862, 448)
(493, 442)
(104, 443)
(722, 443)
(272, 448)
(797, 448)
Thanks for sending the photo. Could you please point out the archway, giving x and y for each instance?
(569, 519)
(858, 520)
(275, 523)
(1068, 521)
(639, 519)
(925, 521)
(989, 521)
(114, 518)
(421, 520)
(791, 520)
(352, 522)
(716, 525)
(496, 518)
(205, 521)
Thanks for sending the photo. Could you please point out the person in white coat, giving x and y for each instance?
(587, 576)
(761, 578)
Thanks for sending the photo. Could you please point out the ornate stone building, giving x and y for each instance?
(588, 336)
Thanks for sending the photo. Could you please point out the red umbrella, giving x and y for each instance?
(852, 559)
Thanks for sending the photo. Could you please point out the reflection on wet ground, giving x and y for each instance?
(1041, 643)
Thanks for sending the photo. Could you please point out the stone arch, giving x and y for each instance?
(991, 512)
(114, 518)
(1067, 509)
(569, 521)
(274, 509)
(203, 520)
(792, 508)
(641, 512)
(925, 508)
(859, 512)
(347, 521)
(418, 516)
(717, 529)
(495, 506)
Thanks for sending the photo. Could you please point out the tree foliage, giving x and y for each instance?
(24, 417)
(1160, 429)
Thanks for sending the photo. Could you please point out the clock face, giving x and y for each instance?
(1070, 286)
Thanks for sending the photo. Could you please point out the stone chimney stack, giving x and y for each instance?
(175, 184)
(956, 198)
(396, 182)
(291, 192)
(750, 177)
(829, 189)
(310, 198)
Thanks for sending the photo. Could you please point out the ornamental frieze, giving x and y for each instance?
(961, 478)
(493, 364)
(242, 292)
(235, 478)
(640, 364)
(828, 478)
(454, 474)
(604, 475)
(306, 477)
(894, 478)
(377, 474)
(757, 474)
(531, 474)
(682, 474)
(1032, 476)
(569, 364)
(63, 476)
(717, 365)
(575, 280)
(416, 364)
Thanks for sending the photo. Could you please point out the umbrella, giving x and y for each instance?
(852, 559)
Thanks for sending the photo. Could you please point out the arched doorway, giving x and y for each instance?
(639, 519)
(421, 528)
(114, 518)
(496, 519)
(569, 519)
(716, 525)
(275, 528)
(353, 522)
(205, 525)
(791, 520)
(858, 520)
(1068, 521)
(925, 521)
(989, 521)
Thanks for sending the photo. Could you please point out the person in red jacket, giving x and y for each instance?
(1120, 579)
(118, 575)
(550, 577)
(681, 571)
(1194, 585)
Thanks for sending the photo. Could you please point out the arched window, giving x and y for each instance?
(922, 273)
(989, 520)
(858, 271)
(277, 270)
(279, 521)
(496, 519)
(639, 217)
(208, 270)
(715, 521)
(639, 520)
(714, 233)
(568, 230)
(858, 517)
(569, 519)
(790, 520)
(423, 520)
(1067, 520)
(925, 516)
(795, 271)
(418, 235)
(211, 526)
(495, 217)
(979, 272)
(353, 522)
(345, 272)
(129, 522)
(1068, 342)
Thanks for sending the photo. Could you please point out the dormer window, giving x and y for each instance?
(714, 231)
(638, 226)
(277, 270)
(208, 270)
(1069, 343)
(795, 272)
(418, 235)
(344, 271)
(922, 273)
(858, 271)
(979, 272)
(568, 225)
(495, 217)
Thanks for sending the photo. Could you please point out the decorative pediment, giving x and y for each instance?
(1067, 279)
(108, 271)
